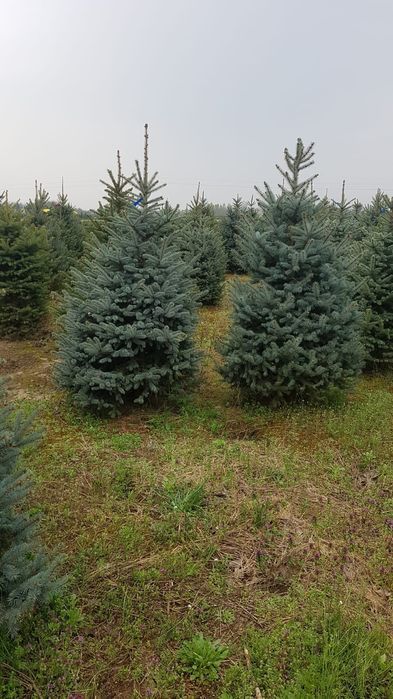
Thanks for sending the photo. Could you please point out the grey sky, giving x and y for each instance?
(224, 85)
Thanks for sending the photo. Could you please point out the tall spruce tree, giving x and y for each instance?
(377, 292)
(202, 247)
(23, 273)
(295, 329)
(129, 319)
(27, 576)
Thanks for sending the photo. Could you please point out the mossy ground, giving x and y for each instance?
(296, 527)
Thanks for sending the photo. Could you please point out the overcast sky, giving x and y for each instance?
(223, 84)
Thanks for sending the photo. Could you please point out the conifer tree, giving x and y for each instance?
(202, 248)
(37, 209)
(63, 212)
(59, 259)
(295, 329)
(347, 233)
(372, 215)
(232, 228)
(251, 222)
(129, 319)
(345, 226)
(173, 217)
(200, 212)
(27, 576)
(23, 273)
(65, 239)
(377, 292)
(357, 209)
(252, 210)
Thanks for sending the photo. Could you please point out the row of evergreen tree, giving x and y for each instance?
(278, 240)
(315, 310)
(39, 243)
(42, 242)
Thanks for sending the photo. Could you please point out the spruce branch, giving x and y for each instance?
(296, 163)
(144, 185)
(343, 204)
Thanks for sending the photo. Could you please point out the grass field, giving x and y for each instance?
(270, 531)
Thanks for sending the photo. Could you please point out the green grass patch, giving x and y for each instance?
(211, 520)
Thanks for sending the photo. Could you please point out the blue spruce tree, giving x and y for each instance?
(27, 576)
(23, 273)
(65, 239)
(345, 225)
(36, 209)
(129, 318)
(243, 236)
(202, 247)
(295, 330)
(232, 230)
(377, 292)
(372, 215)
